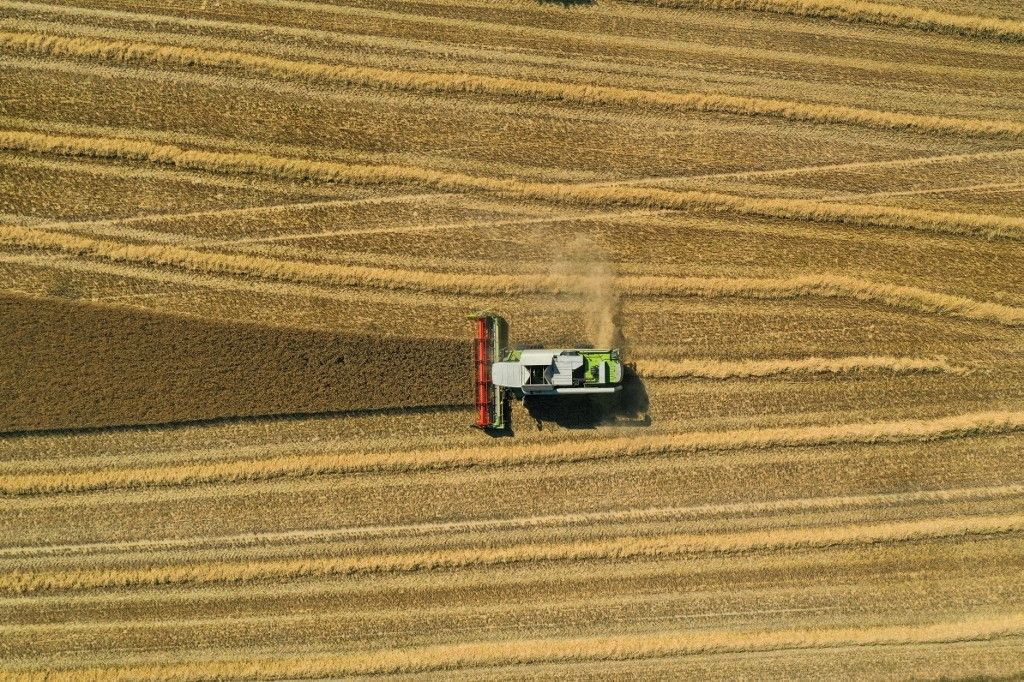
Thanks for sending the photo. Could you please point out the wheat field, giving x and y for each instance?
(239, 240)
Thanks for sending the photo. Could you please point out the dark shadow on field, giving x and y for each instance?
(507, 432)
(73, 365)
(304, 417)
(566, 3)
(629, 407)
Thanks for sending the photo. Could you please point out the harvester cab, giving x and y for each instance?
(501, 372)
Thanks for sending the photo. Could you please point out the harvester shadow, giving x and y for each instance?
(276, 418)
(627, 408)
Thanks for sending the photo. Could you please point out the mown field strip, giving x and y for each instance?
(173, 175)
(862, 11)
(987, 187)
(119, 51)
(712, 369)
(958, 426)
(411, 55)
(781, 539)
(685, 23)
(583, 71)
(339, 629)
(641, 197)
(510, 51)
(119, 227)
(407, 229)
(720, 581)
(371, 50)
(522, 523)
(166, 609)
(818, 286)
(263, 287)
(524, 652)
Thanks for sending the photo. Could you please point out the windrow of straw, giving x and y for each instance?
(591, 42)
(819, 285)
(744, 369)
(120, 51)
(776, 539)
(877, 13)
(293, 168)
(484, 654)
(267, 468)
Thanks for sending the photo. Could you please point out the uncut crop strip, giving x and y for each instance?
(823, 285)
(673, 545)
(268, 468)
(860, 11)
(583, 194)
(585, 519)
(120, 51)
(712, 369)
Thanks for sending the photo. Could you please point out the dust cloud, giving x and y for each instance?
(584, 261)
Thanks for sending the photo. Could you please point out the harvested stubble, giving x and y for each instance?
(827, 486)
(622, 447)
(712, 369)
(491, 654)
(125, 51)
(74, 364)
(599, 194)
(820, 285)
(878, 13)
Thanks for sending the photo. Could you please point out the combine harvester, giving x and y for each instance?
(534, 372)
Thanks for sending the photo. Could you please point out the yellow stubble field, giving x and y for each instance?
(238, 245)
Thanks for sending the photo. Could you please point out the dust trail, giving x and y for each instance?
(120, 51)
(583, 260)
(305, 465)
(714, 369)
(877, 13)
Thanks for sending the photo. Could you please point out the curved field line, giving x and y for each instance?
(268, 468)
(823, 286)
(641, 197)
(402, 229)
(525, 652)
(860, 11)
(297, 290)
(251, 210)
(130, 51)
(134, 134)
(713, 369)
(119, 227)
(776, 539)
(830, 168)
(654, 514)
(1014, 186)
